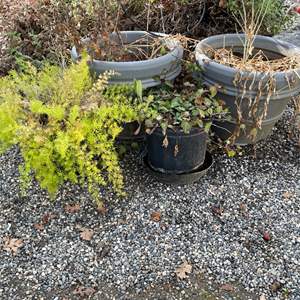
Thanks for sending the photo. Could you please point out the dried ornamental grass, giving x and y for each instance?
(258, 63)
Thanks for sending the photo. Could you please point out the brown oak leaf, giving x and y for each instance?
(39, 226)
(46, 218)
(227, 287)
(102, 209)
(82, 291)
(183, 270)
(155, 216)
(86, 234)
(217, 210)
(287, 195)
(12, 245)
(69, 208)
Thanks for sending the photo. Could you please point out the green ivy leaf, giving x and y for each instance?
(207, 126)
(186, 127)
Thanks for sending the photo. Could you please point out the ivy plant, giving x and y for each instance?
(65, 126)
(182, 106)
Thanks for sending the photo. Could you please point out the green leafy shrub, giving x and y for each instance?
(65, 126)
(182, 106)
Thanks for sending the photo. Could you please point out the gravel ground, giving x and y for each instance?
(251, 244)
(131, 252)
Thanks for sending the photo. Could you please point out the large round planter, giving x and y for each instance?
(166, 67)
(221, 76)
(184, 152)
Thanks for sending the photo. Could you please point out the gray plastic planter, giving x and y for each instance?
(222, 77)
(166, 67)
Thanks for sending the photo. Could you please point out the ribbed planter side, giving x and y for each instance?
(214, 74)
(166, 67)
(184, 153)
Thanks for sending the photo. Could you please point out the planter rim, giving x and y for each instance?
(109, 64)
(179, 131)
(201, 56)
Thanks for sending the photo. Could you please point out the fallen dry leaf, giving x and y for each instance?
(47, 217)
(82, 291)
(243, 208)
(155, 216)
(69, 208)
(266, 236)
(183, 270)
(39, 226)
(287, 195)
(86, 234)
(276, 286)
(227, 287)
(102, 209)
(262, 297)
(45, 220)
(217, 210)
(12, 245)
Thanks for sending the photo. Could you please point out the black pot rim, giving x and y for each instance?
(178, 131)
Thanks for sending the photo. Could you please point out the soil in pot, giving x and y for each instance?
(176, 152)
(136, 55)
(116, 48)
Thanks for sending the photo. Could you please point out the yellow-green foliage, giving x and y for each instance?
(64, 125)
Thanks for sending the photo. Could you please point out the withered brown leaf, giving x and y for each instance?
(46, 218)
(287, 195)
(217, 210)
(12, 245)
(155, 216)
(86, 234)
(102, 209)
(39, 226)
(176, 150)
(82, 291)
(183, 270)
(227, 287)
(165, 142)
(69, 208)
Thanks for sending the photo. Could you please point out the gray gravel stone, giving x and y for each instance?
(131, 252)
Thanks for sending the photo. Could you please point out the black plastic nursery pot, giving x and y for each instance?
(287, 84)
(182, 153)
(132, 132)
